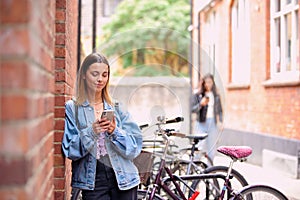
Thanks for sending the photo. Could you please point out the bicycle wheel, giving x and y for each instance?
(143, 195)
(76, 194)
(212, 186)
(259, 192)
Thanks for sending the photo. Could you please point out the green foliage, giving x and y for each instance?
(146, 24)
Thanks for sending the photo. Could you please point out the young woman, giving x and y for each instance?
(101, 149)
(207, 104)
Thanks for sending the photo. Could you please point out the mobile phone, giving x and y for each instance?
(108, 114)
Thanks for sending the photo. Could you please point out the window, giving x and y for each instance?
(109, 7)
(240, 34)
(210, 44)
(284, 43)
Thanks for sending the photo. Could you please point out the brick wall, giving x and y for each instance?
(38, 62)
(27, 99)
(65, 74)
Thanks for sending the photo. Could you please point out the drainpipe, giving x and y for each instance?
(94, 25)
(191, 65)
(79, 36)
(199, 46)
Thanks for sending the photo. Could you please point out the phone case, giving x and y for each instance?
(109, 114)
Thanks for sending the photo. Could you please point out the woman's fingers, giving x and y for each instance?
(103, 125)
(112, 126)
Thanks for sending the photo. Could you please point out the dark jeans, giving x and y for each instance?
(106, 186)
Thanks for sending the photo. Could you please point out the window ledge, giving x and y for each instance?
(285, 83)
(238, 86)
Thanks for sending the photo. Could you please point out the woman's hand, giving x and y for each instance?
(204, 101)
(103, 125)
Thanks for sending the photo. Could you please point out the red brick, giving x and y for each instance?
(13, 138)
(13, 193)
(61, 4)
(15, 41)
(59, 160)
(60, 100)
(59, 112)
(14, 107)
(47, 60)
(49, 104)
(60, 27)
(60, 63)
(59, 172)
(8, 78)
(60, 52)
(59, 195)
(10, 11)
(58, 148)
(59, 124)
(60, 88)
(58, 136)
(40, 129)
(60, 15)
(60, 75)
(51, 85)
(13, 171)
(60, 39)
(59, 183)
(41, 179)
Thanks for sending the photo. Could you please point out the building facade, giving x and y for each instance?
(252, 48)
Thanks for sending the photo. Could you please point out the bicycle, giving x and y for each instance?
(185, 162)
(180, 163)
(236, 153)
(189, 166)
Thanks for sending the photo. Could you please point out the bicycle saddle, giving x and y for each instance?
(235, 151)
(200, 136)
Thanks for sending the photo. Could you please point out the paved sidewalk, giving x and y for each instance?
(257, 174)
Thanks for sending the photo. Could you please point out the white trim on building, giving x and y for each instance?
(284, 43)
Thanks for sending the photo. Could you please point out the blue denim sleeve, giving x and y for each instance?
(76, 143)
(127, 137)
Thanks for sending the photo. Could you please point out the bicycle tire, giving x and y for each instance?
(181, 167)
(141, 195)
(259, 192)
(238, 179)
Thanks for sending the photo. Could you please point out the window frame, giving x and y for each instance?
(278, 54)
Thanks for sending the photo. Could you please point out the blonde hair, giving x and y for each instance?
(81, 87)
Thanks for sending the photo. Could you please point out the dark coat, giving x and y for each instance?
(201, 111)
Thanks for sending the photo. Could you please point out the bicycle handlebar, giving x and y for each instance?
(175, 120)
(182, 135)
(144, 126)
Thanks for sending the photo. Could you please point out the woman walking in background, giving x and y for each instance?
(206, 103)
(101, 148)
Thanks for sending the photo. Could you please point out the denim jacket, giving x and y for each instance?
(79, 144)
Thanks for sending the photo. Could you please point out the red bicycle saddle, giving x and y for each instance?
(235, 151)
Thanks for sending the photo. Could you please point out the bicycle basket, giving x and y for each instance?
(144, 163)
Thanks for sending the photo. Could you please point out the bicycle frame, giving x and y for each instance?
(162, 184)
(158, 184)
(226, 178)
